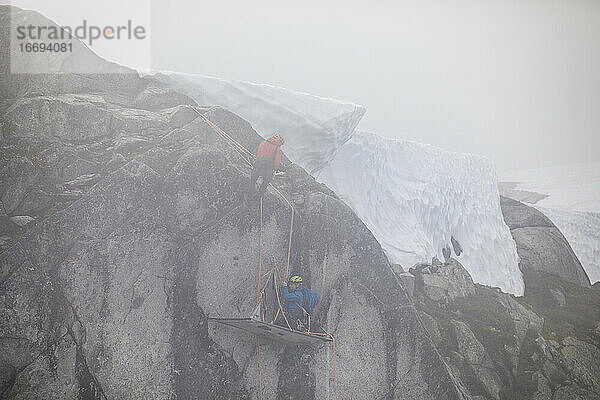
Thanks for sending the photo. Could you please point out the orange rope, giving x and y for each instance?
(228, 136)
(224, 135)
(236, 146)
(232, 142)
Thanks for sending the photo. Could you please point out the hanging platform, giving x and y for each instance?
(273, 332)
(256, 325)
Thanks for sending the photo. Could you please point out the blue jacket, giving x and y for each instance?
(294, 300)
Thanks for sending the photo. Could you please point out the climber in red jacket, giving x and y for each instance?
(268, 158)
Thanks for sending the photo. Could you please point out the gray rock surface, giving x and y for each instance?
(573, 392)
(519, 215)
(408, 281)
(157, 97)
(543, 391)
(432, 328)
(559, 297)
(21, 220)
(540, 244)
(446, 281)
(17, 176)
(456, 246)
(135, 262)
(583, 360)
(494, 343)
(475, 355)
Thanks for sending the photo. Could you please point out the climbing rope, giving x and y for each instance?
(248, 156)
(280, 307)
(287, 268)
(244, 153)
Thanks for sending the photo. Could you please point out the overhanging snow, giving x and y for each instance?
(416, 197)
(314, 127)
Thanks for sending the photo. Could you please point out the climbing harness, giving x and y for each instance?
(256, 323)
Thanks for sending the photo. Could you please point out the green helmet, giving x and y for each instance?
(296, 279)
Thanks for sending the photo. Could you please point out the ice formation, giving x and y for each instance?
(414, 198)
(314, 127)
(572, 202)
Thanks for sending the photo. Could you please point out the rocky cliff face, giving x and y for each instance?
(544, 345)
(540, 244)
(122, 229)
(502, 347)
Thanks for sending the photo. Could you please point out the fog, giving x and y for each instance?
(517, 81)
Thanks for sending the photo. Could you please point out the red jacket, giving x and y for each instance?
(267, 148)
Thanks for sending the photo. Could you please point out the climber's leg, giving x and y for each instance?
(251, 190)
(267, 175)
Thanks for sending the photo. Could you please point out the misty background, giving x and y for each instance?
(517, 81)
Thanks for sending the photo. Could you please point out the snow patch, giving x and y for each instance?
(416, 197)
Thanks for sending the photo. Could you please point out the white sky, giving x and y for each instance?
(517, 81)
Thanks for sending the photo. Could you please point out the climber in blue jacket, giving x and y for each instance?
(299, 301)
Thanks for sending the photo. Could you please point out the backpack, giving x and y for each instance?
(273, 157)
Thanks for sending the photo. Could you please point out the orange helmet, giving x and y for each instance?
(279, 137)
